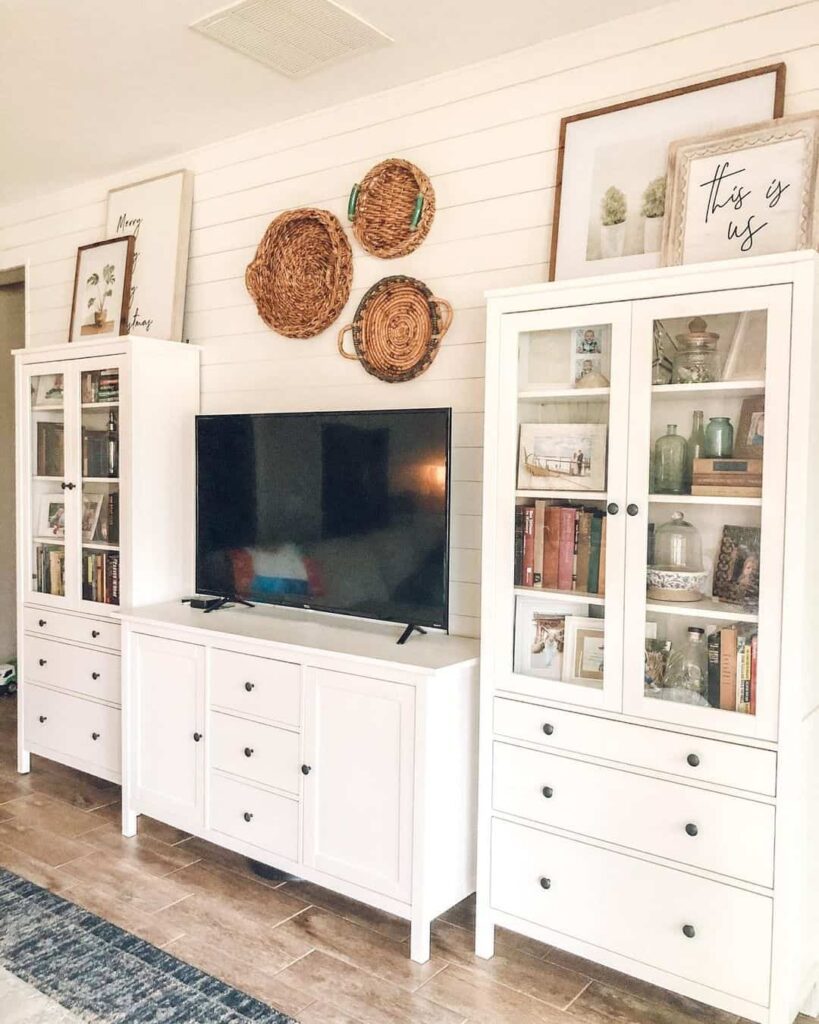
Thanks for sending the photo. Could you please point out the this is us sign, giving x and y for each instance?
(749, 192)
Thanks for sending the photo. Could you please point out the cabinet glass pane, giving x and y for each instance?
(561, 501)
(48, 497)
(100, 561)
(705, 510)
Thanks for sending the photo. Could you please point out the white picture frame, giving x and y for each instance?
(51, 516)
(583, 644)
(548, 662)
(91, 507)
(157, 212)
(567, 457)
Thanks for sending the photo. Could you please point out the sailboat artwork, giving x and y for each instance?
(562, 456)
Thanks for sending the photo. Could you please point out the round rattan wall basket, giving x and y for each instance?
(397, 329)
(301, 274)
(392, 208)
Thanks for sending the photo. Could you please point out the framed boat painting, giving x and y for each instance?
(562, 457)
(610, 189)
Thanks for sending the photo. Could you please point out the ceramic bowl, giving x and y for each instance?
(674, 584)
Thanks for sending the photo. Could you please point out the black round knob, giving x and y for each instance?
(548, 792)
(632, 509)
(612, 508)
(197, 736)
(306, 769)
(548, 728)
(693, 760)
(43, 662)
(95, 675)
(247, 816)
(691, 829)
(41, 623)
(248, 751)
(95, 735)
(94, 634)
(689, 931)
(545, 883)
(43, 718)
(249, 686)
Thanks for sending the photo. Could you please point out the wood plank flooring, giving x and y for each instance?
(318, 956)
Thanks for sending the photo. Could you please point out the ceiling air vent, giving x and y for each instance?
(294, 37)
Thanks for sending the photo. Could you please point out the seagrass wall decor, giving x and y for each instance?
(397, 329)
(301, 275)
(392, 208)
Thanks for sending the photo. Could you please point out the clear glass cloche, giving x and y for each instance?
(697, 360)
(677, 545)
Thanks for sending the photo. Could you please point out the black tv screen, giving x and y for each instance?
(343, 512)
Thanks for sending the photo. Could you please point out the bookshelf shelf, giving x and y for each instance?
(99, 545)
(100, 405)
(700, 499)
(737, 388)
(706, 608)
(57, 541)
(48, 479)
(578, 496)
(100, 479)
(563, 394)
(47, 408)
(571, 596)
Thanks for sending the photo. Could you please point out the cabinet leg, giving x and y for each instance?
(419, 941)
(129, 823)
(484, 935)
(23, 761)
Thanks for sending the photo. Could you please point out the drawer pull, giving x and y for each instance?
(545, 883)
(43, 718)
(197, 736)
(689, 931)
(42, 623)
(248, 751)
(691, 829)
(247, 816)
(95, 735)
(94, 634)
(693, 760)
(42, 662)
(548, 792)
(306, 769)
(548, 728)
(95, 675)
(249, 686)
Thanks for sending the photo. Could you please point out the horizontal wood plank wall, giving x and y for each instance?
(486, 135)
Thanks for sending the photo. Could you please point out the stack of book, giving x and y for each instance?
(49, 569)
(100, 386)
(732, 658)
(100, 577)
(560, 547)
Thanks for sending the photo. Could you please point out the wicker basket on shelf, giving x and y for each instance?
(301, 274)
(392, 208)
(397, 329)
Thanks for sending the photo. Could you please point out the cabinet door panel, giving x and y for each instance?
(358, 794)
(170, 683)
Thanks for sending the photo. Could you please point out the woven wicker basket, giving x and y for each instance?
(397, 329)
(392, 208)
(301, 275)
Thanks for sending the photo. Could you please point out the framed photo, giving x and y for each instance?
(747, 191)
(611, 172)
(157, 212)
(562, 456)
(540, 636)
(746, 354)
(91, 506)
(47, 391)
(736, 576)
(51, 518)
(583, 650)
(102, 290)
(749, 442)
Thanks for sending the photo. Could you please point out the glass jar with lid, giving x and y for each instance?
(677, 572)
(697, 360)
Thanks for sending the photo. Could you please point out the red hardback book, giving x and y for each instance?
(529, 547)
(566, 550)
(551, 546)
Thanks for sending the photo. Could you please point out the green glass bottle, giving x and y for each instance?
(670, 459)
(696, 445)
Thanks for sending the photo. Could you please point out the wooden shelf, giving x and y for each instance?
(703, 499)
(739, 388)
(705, 608)
(571, 596)
(573, 495)
(55, 541)
(562, 394)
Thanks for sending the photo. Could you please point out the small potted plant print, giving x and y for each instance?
(613, 209)
(104, 288)
(652, 210)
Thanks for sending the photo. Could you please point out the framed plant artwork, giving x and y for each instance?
(611, 174)
(749, 442)
(102, 290)
(748, 191)
(562, 456)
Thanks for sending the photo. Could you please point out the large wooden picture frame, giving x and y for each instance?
(102, 290)
(610, 187)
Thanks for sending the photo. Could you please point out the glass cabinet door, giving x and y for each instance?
(560, 517)
(709, 400)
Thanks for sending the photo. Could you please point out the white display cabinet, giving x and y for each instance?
(640, 804)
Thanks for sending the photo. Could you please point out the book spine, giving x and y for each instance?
(713, 668)
(551, 546)
(595, 547)
(565, 555)
(528, 546)
(728, 668)
(540, 516)
(575, 542)
(754, 644)
(584, 549)
(601, 581)
(518, 545)
(740, 672)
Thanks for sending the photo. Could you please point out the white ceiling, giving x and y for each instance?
(89, 87)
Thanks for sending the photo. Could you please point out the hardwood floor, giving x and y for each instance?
(318, 956)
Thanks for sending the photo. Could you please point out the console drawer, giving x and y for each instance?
(61, 725)
(732, 836)
(254, 816)
(92, 673)
(635, 909)
(78, 628)
(726, 764)
(255, 686)
(259, 753)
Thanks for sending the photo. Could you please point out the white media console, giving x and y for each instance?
(310, 743)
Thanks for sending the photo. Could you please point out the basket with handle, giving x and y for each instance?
(392, 208)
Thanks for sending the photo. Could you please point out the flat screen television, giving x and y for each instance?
(344, 512)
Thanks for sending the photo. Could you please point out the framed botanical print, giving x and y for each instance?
(102, 290)
(611, 175)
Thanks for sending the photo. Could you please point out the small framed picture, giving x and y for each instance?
(750, 438)
(539, 636)
(91, 506)
(583, 650)
(736, 576)
(51, 520)
(587, 367)
(102, 290)
(47, 391)
(562, 456)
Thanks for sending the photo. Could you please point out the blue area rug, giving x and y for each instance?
(98, 972)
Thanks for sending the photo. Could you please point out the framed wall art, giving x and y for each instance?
(611, 173)
(102, 290)
(750, 191)
(158, 213)
(539, 636)
(562, 456)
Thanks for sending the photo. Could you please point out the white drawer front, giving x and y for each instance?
(636, 909)
(259, 687)
(62, 724)
(701, 760)
(95, 632)
(725, 834)
(262, 819)
(260, 753)
(92, 673)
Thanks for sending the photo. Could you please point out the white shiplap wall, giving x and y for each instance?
(487, 136)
